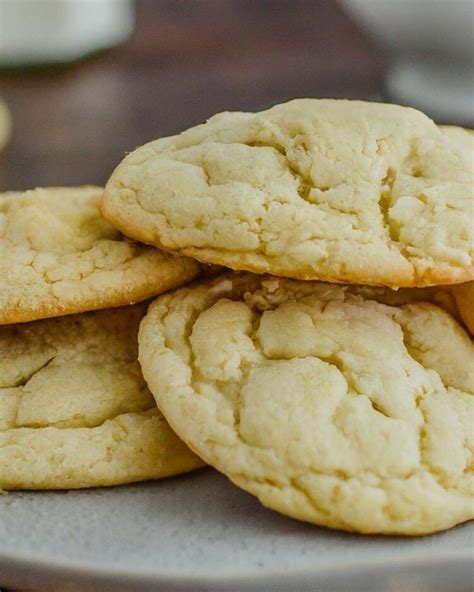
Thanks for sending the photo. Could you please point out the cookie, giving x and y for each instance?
(59, 256)
(343, 191)
(74, 408)
(463, 138)
(5, 124)
(329, 406)
(464, 296)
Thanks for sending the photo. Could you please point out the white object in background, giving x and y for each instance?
(58, 31)
(431, 43)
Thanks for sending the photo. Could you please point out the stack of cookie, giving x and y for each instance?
(329, 370)
(74, 408)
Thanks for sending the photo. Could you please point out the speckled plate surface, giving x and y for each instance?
(198, 532)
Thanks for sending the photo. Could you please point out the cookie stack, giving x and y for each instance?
(74, 408)
(329, 370)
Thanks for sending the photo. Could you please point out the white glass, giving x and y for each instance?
(57, 31)
(431, 46)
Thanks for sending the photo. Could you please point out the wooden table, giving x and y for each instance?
(187, 60)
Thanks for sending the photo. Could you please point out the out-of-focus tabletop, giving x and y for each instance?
(186, 61)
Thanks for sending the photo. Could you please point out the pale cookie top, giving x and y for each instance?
(74, 408)
(312, 189)
(329, 406)
(58, 255)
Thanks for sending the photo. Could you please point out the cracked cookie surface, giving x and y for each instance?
(74, 408)
(59, 256)
(325, 402)
(342, 191)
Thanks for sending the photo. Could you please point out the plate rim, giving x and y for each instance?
(115, 574)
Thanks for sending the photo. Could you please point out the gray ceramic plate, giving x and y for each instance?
(198, 532)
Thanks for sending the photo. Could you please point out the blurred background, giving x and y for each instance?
(87, 80)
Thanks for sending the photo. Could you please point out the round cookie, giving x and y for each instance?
(329, 406)
(344, 191)
(59, 256)
(74, 408)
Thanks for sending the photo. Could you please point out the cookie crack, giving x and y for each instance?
(385, 202)
(23, 381)
(438, 475)
(124, 265)
(304, 182)
(150, 411)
